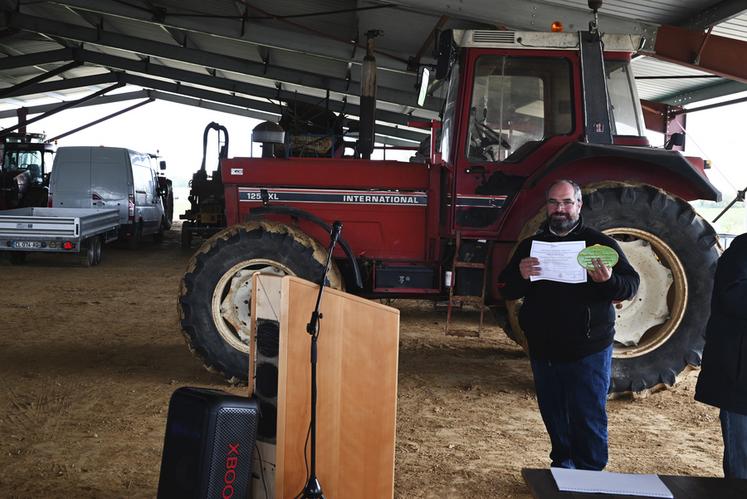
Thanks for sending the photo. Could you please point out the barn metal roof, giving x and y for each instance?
(243, 56)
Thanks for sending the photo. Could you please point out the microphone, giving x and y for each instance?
(334, 234)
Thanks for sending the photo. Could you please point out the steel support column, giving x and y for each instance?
(664, 119)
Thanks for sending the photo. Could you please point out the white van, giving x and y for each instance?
(111, 177)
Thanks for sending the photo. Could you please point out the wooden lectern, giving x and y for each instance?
(357, 389)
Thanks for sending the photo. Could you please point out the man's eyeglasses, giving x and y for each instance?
(566, 203)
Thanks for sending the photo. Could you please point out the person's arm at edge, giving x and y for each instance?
(731, 292)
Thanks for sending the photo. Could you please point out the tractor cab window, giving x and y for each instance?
(517, 102)
(28, 162)
(625, 109)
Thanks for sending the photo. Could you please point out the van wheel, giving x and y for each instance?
(88, 252)
(99, 248)
(134, 241)
(215, 293)
(18, 257)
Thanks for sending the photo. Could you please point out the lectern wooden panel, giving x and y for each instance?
(357, 392)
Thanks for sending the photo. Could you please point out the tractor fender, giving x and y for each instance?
(672, 161)
(256, 213)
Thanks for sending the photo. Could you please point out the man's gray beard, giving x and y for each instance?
(561, 225)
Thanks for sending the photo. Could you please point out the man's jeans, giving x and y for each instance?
(572, 398)
(734, 431)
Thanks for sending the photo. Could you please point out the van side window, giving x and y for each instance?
(143, 178)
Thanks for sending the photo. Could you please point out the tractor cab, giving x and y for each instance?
(24, 173)
(515, 100)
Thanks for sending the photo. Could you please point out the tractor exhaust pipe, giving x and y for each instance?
(368, 98)
(223, 153)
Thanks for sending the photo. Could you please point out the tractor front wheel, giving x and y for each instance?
(215, 294)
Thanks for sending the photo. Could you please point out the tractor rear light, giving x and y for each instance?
(131, 206)
(68, 245)
(49, 200)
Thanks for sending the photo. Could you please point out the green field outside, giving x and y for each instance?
(733, 221)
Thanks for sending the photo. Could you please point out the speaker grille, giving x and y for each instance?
(267, 380)
(208, 446)
(266, 377)
(268, 421)
(268, 337)
(233, 447)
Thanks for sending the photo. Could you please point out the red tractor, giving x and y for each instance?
(522, 110)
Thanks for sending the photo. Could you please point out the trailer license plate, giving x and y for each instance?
(27, 244)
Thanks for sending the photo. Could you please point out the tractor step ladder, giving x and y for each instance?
(460, 267)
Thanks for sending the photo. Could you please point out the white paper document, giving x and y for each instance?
(605, 482)
(558, 261)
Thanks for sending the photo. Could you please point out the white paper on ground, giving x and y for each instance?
(605, 482)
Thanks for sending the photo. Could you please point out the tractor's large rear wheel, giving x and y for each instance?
(215, 294)
(660, 331)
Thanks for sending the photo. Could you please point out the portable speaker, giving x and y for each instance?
(207, 451)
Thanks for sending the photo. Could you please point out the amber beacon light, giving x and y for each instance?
(556, 27)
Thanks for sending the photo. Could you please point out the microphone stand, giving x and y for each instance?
(313, 489)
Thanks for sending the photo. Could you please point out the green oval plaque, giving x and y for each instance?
(608, 256)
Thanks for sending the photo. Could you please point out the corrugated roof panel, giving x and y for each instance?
(136, 29)
(656, 89)
(226, 46)
(651, 11)
(59, 13)
(735, 27)
(404, 31)
(341, 25)
(214, 7)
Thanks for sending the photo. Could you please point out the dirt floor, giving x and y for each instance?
(90, 356)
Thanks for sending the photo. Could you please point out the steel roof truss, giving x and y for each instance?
(145, 67)
(36, 79)
(714, 54)
(248, 32)
(403, 96)
(62, 107)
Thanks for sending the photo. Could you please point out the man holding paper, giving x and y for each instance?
(569, 322)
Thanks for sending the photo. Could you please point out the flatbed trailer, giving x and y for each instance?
(58, 230)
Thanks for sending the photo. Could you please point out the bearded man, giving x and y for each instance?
(570, 330)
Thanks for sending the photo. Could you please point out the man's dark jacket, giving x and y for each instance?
(723, 377)
(565, 322)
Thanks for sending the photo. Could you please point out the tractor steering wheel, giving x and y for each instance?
(484, 141)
